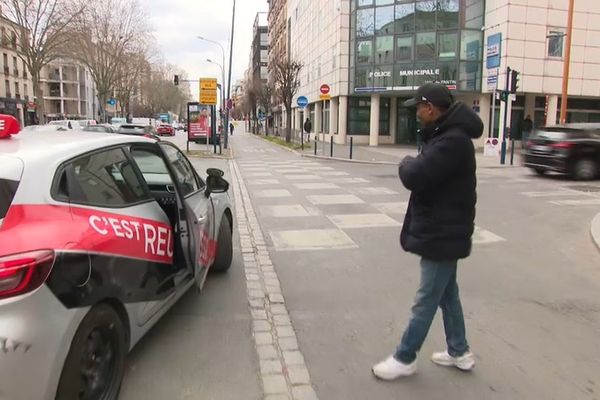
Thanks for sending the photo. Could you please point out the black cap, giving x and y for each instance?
(434, 93)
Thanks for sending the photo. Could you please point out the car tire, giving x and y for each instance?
(585, 170)
(100, 336)
(224, 254)
(540, 171)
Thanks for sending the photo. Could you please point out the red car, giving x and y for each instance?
(165, 129)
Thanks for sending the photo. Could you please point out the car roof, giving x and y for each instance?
(574, 125)
(39, 146)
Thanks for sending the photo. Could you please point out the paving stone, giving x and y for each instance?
(277, 397)
(268, 352)
(276, 298)
(270, 367)
(284, 331)
(293, 357)
(282, 320)
(253, 285)
(298, 374)
(273, 384)
(256, 293)
(278, 309)
(263, 338)
(261, 326)
(304, 392)
(288, 343)
(257, 303)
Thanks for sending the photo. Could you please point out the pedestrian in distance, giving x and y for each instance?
(438, 226)
(231, 128)
(307, 128)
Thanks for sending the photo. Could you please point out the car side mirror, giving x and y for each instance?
(215, 184)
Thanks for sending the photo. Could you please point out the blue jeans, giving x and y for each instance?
(438, 288)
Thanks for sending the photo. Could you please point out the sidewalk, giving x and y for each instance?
(595, 230)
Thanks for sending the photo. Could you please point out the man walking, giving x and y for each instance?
(438, 226)
(307, 128)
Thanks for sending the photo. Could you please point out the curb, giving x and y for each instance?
(595, 230)
(349, 160)
(279, 145)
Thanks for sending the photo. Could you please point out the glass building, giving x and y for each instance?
(398, 45)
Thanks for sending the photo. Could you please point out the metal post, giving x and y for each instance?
(504, 127)
(213, 122)
(315, 145)
(491, 132)
(302, 138)
(351, 147)
(512, 151)
(566, 65)
(229, 78)
(331, 148)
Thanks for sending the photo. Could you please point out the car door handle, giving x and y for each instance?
(200, 220)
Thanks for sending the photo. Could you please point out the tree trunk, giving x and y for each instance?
(38, 95)
(288, 123)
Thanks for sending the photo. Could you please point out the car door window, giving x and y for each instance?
(152, 167)
(186, 178)
(102, 179)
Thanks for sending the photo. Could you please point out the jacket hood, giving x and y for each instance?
(462, 117)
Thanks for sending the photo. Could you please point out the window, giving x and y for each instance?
(425, 13)
(15, 65)
(362, 77)
(25, 89)
(403, 75)
(383, 2)
(555, 43)
(102, 179)
(384, 50)
(474, 10)
(364, 52)
(7, 87)
(365, 22)
(448, 73)
(359, 115)
(362, 3)
(425, 46)
(470, 76)
(447, 14)
(447, 45)
(184, 172)
(384, 116)
(17, 91)
(382, 75)
(471, 45)
(8, 189)
(405, 18)
(404, 48)
(384, 20)
(5, 62)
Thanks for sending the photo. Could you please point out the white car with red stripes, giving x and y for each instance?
(99, 236)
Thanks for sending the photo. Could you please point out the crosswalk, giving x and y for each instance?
(329, 205)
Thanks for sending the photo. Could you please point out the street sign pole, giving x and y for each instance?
(491, 132)
(213, 126)
(506, 131)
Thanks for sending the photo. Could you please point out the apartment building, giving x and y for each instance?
(278, 47)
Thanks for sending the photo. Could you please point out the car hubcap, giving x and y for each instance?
(97, 364)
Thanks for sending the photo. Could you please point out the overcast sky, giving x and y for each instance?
(177, 23)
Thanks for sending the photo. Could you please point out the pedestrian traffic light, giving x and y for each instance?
(514, 81)
(176, 80)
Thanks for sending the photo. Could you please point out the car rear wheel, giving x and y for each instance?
(224, 248)
(584, 170)
(93, 369)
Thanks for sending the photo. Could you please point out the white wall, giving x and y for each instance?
(524, 25)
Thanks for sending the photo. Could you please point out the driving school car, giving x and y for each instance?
(99, 237)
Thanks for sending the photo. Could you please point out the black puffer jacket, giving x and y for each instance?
(440, 217)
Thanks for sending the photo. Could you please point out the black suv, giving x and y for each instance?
(572, 149)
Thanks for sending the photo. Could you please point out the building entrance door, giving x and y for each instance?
(406, 128)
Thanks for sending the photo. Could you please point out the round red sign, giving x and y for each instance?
(324, 89)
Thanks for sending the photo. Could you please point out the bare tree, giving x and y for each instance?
(286, 83)
(38, 35)
(130, 72)
(103, 36)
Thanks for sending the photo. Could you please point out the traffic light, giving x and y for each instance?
(514, 81)
(176, 80)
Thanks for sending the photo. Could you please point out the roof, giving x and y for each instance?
(40, 146)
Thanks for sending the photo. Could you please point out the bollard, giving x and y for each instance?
(512, 151)
(351, 147)
(315, 145)
(331, 148)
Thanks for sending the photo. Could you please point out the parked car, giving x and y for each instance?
(165, 129)
(99, 236)
(138, 130)
(572, 149)
(104, 128)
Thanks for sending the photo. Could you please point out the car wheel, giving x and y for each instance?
(94, 365)
(540, 171)
(224, 248)
(584, 170)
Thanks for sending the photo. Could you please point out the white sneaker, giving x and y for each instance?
(466, 362)
(390, 369)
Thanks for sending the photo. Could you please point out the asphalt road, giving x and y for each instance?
(529, 290)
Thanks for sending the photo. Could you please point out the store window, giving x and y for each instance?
(403, 75)
(404, 48)
(365, 22)
(405, 18)
(362, 77)
(384, 117)
(364, 52)
(425, 46)
(447, 14)
(470, 76)
(384, 20)
(424, 73)
(425, 15)
(447, 45)
(384, 50)
(362, 3)
(359, 114)
(448, 73)
(471, 45)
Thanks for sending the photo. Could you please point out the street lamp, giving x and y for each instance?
(222, 53)
(222, 81)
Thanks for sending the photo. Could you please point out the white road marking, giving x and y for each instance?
(334, 199)
(397, 207)
(347, 221)
(285, 211)
(272, 193)
(312, 239)
(317, 185)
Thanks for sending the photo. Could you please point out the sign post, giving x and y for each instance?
(324, 89)
(302, 102)
(208, 97)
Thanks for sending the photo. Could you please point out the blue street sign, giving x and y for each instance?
(494, 43)
(111, 102)
(302, 101)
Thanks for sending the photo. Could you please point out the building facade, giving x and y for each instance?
(16, 89)
(259, 56)
(374, 54)
(278, 39)
(69, 91)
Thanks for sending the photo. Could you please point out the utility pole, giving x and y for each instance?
(504, 127)
(229, 78)
(566, 65)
